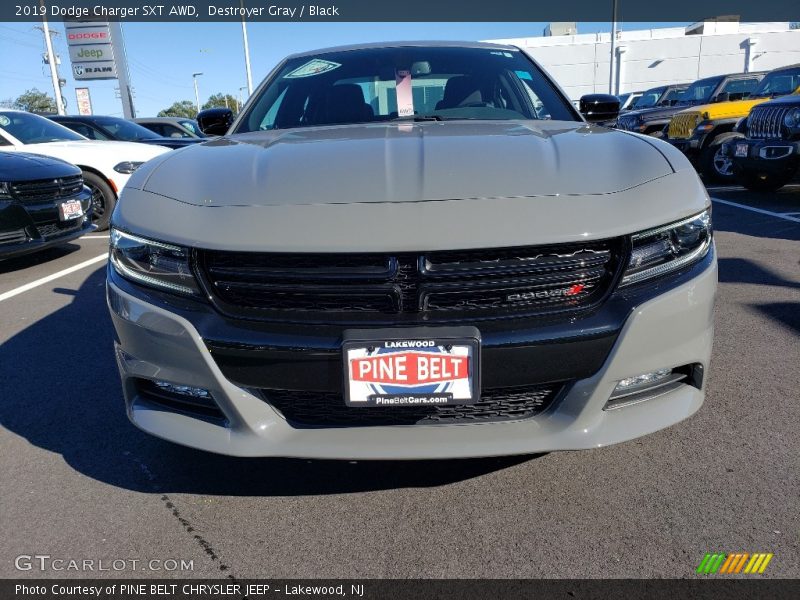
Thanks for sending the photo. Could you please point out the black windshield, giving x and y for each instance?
(778, 83)
(383, 84)
(125, 131)
(700, 92)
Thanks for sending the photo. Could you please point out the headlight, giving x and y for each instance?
(127, 167)
(666, 249)
(5, 192)
(152, 263)
(792, 118)
(741, 125)
(704, 127)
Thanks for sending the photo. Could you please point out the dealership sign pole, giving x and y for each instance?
(123, 75)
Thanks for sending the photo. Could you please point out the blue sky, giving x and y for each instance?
(163, 56)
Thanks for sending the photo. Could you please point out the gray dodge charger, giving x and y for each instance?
(412, 250)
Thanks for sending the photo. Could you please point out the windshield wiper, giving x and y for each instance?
(419, 118)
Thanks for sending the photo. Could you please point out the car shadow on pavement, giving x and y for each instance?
(61, 392)
(741, 270)
(37, 258)
(785, 313)
(736, 220)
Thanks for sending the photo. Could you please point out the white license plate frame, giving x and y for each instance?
(418, 366)
(69, 210)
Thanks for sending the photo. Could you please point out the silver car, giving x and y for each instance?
(412, 250)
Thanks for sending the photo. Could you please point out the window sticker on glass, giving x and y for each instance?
(405, 97)
(4, 121)
(316, 66)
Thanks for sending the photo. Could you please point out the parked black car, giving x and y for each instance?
(722, 88)
(768, 157)
(174, 127)
(43, 203)
(645, 114)
(117, 129)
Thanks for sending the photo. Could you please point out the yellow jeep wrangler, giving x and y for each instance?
(700, 131)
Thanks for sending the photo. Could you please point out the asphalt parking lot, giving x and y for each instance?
(80, 482)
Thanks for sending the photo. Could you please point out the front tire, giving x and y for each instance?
(714, 166)
(103, 199)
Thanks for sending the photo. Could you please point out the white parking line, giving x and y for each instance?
(95, 237)
(43, 280)
(757, 210)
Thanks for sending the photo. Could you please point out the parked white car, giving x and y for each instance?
(106, 166)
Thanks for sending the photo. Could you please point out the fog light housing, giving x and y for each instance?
(194, 401)
(182, 390)
(647, 386)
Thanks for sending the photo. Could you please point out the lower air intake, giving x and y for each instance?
(304, 410)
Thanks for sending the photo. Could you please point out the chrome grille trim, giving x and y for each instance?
(766, 122)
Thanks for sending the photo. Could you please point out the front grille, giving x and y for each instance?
(58, 228)
(682, 125)
(303, 409)
(45, 190)
(766, 122)
(434, 286)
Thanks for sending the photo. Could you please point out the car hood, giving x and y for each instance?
(21, 166)
(74, 149)
(726, 110)
(656, 113)
(404, 162)
(170, 142)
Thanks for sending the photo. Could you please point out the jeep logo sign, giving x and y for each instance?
(91, 53)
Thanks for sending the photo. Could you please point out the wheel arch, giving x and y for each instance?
(110, 183)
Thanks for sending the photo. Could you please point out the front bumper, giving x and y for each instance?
(776, 157)
(30, 228)
(691, 147)
(661, 326)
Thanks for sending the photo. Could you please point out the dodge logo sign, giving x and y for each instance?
(78, 69)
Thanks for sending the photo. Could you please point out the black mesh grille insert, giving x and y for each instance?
(58, 228)
(433, 286)
(303, 409)
(44, 190)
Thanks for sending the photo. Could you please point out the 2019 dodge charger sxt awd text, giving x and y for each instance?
(412, 250)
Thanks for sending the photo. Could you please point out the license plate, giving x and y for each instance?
(741, 150)
(411, 367)
(70, 210)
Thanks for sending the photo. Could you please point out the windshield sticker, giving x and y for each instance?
(405, 99)
(315, 66)
(4, 121)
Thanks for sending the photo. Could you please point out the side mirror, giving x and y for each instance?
(599, 107)
(215, 121)
(722, 97)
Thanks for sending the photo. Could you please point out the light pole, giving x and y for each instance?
(51, 59)
(241, 89)
(196, 93)
(611, 65)
(246, 53)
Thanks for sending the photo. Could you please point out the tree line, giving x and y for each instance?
(37, 101)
